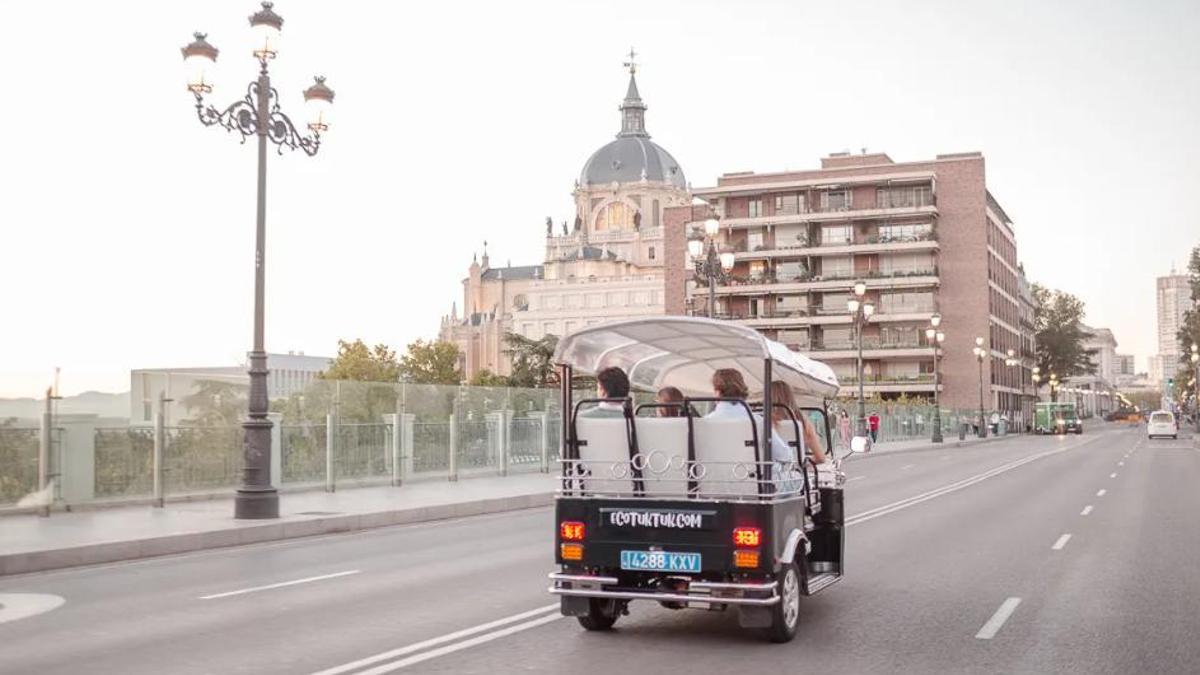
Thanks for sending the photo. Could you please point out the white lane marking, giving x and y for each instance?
(1112, 475)
(1120, 463)
(907, 467)
(465, 644)
(281, 584)
(1086, 510)
(416, 647)
(1062, 541)
(993, 624)
(1101, 493)
(855, 478)
(947, 489)
(16, 606)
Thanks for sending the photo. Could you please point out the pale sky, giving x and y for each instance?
(128, 227)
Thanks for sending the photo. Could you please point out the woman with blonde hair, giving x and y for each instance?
(781, 395)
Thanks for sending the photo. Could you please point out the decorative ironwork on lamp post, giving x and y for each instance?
(980, 354)
(711, 264)
(257, 114)
(860, 313)
(1010, 361)
(935, 338)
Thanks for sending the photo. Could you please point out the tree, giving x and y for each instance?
(355, 361)
(532, 360)
(215, 403)
(1060, 335)
(431, 362)
(486, 378)
(1189, 331)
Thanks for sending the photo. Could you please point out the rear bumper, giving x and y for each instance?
(752, 594)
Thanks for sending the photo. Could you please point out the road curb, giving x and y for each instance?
(292, 528)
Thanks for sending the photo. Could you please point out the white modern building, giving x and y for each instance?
(288, 374)
(1173, 298)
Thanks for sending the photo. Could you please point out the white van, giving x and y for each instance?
(1162, 423)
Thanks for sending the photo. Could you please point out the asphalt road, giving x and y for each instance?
(959, 561)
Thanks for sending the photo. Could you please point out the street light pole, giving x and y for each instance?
(980, 353)
(710, 264)
(257, 114)
(935, 339)
(860, 311)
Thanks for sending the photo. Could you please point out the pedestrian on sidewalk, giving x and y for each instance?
(873, 425)
(843, 427)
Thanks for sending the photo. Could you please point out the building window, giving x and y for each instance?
(900, 303)
(906, 263)
(795, 340)
(615, 217)
(791, 305)
(837, 235)
(791, 270)
(789, 204)
(650, 253)
(656, 216)
(756, 207)
(834, 303)
(906, 232)
(837, 267)
(520, 302)
(754, 240)
(908, 196)
(835, 200)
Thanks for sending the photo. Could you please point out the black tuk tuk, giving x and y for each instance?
(686, 510)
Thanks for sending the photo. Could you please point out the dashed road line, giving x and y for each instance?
(1112, 475)
(281, 584)
(993, 625)
(1086, 510)
(1062, 541)
(1101, 493)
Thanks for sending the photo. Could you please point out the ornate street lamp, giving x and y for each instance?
(860, 313)
(935, 338)
(980, 355)
(710, 264)
(257, 114)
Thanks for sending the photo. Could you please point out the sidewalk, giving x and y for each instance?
(29, 543)
(918, 444)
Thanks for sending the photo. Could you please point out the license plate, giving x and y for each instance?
(660, 561)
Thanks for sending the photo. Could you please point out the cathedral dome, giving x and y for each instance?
(632, 157)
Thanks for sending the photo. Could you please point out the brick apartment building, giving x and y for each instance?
(924, 236)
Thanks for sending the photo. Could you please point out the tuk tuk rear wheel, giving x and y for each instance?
(602, 614)
(785, 615)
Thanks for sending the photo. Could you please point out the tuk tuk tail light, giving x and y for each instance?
(571, 551)
(744, 557)
(571, 530)
(748, 537)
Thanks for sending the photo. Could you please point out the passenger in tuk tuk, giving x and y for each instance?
(671, 402)
(781, 394)
(610, 383)
(729, 383)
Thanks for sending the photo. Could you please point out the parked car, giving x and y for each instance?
(1162, 423)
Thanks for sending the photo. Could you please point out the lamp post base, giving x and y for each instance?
(256, 503)
(937, 435)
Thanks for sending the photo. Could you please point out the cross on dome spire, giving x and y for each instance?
(633, 110)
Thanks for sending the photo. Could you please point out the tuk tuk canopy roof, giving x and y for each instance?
(684, 352)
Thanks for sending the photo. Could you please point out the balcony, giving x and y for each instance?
(742, 250)
(872, 348)
(831, 214)
(893, 384)
(768, 284)
(819, 316)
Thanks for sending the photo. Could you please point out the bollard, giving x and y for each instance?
(962, 432)
(330, 431)
(505, 421)
(453, 461)
(160, 441)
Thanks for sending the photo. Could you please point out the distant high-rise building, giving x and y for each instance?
(1173, 298)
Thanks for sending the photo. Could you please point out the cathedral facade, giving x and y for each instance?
(607, 265)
